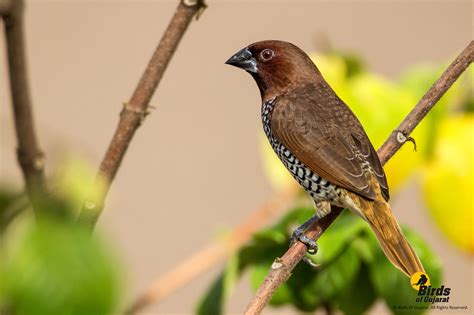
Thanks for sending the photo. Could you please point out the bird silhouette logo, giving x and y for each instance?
(419, 279)
(422, 281)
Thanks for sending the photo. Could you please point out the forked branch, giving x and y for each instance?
(282, 267)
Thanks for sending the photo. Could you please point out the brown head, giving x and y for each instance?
(276, 66)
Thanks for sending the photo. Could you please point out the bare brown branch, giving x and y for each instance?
(216, 252)
(29, 154)
(282, 267)
(135, 110)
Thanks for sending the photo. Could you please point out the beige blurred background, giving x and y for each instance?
(193, 170)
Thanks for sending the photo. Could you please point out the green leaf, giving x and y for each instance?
(213, 302)
(343, 231)
(393, 286)
(261, 252)
(272, 235)
(307, 288)
(364, 249)
(354, 64)
(314, 287)
(468, 104)
(359, 295)
(58, 268)
(296, 216)
(274, 241)
(279, 233)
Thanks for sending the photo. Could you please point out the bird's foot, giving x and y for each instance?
(298, 235)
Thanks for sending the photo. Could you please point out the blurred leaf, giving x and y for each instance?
(257, 253)
(73, 180)
(294, 218)
(363, 249)
(11, 205)
(279, 233)
(392, 285)
(338, 236)
(418, 79)
(359, 295)
(300, 288)
(58, 268)
(7, 197)
(213, 301)
(273, 235)
(452, 164)
(314, 287)
(469, 105)
(354, 64)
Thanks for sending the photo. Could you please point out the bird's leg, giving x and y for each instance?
(298, 235)
(323, 208)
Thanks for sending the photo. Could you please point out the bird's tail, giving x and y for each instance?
(390, 236)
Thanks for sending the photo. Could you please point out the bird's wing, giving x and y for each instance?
(324, 139)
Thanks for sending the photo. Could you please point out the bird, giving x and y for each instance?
(323, 145)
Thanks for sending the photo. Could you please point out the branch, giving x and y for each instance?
(135, 111)
(29, 155)
(214, 253)
(281, 268)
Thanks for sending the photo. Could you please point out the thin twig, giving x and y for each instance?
(282, 267)
(29, 155)
(216, 252)
(135, 111)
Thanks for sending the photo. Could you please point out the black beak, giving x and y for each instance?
(243, 59)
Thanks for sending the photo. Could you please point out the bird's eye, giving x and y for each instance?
(267, 54)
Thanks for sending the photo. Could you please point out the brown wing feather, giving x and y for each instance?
(322, 132)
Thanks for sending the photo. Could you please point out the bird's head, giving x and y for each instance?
(276, 66)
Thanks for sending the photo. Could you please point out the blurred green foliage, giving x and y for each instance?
(452, 164)
(352, 275)
(50, 264)
(353, 271)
